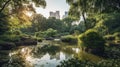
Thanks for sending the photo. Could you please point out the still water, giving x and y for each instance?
(34, 57)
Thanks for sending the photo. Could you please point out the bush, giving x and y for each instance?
(51, 32)
(17, 32)
(39, 34)
(92, 42)
(69, 39)
(62, 34)
(48, 33)
(109, 37)
(117, 35)
(9, 38)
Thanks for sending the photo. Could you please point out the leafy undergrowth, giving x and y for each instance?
(74, 62)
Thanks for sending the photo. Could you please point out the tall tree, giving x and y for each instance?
(81, 7)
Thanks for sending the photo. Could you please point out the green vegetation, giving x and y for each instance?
(92, 42)
(69, 39)
(76, 62)
(48, 33)
(108, 23)
(91, 39)
(98, 30)
(4, 25)
(117, 35)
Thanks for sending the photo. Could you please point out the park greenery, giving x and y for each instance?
(97, 33)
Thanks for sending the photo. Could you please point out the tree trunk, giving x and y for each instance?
(83, 15)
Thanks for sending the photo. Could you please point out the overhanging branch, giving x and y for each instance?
(4, 5)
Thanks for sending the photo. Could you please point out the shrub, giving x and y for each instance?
(62, 34)
(9, 38)
(48, 33)
(39, 39)
(69, 38)
(117, 35)
(109, 37)
(17, 32)
(92, 42)
(91, 39)
(51, 32)
(39, 34)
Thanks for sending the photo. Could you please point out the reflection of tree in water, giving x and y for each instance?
(56, 55)
(68, 51)
(87, 56)
(52, 50)
(18, 58)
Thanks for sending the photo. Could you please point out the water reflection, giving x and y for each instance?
(47, 60)
(50, 58)
(87, 56)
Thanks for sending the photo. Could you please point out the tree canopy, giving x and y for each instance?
(92, 7)
(14, 12)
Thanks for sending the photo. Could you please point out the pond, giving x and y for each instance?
(34, 57)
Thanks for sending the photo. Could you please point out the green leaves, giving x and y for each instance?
(91, 39)
(4, 25)
(93, 6)
(108, 23)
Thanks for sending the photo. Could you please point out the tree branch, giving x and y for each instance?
(4, 5)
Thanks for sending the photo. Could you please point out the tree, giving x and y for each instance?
(15, 11)
(81, 7)
(38, 22)
(55, 24)
(20, 8)
(15, 4)
(108, 23)
(68, 23)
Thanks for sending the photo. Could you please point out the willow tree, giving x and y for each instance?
(91, 7)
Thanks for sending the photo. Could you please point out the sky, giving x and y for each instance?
(53, 5)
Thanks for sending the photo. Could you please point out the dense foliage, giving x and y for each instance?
(4, 25)
(91, 39)
(92, 42)
(69, 39)
(108, 23)
(75, 62)
(48, 33)
(13, 13)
